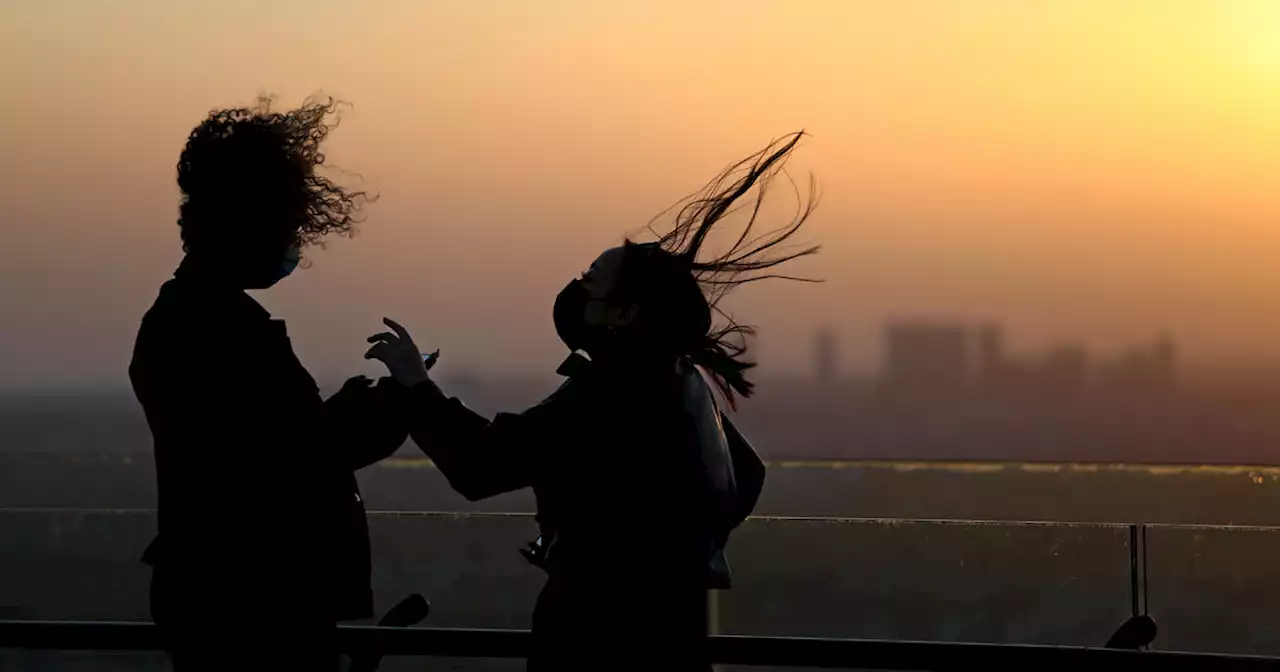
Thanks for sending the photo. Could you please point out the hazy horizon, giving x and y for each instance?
(1083, 170)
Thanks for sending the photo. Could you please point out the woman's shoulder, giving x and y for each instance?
(571, 392)
(697, 388)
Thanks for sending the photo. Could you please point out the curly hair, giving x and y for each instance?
(251, 172)
(692, 288)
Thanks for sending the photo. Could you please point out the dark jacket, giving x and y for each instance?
(259, 511)
(638, 484)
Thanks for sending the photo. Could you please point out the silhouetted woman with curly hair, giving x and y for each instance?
(639, 478)
(262, 543)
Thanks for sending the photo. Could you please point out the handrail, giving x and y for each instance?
(760, 518)
(731, 649)
(725, 649)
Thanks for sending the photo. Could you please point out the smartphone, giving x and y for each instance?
(431, 359)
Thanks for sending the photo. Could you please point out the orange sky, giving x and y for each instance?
(1080, 169)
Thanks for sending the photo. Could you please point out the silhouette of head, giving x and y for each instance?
(647, 302)
(635, 300)
(251, 194)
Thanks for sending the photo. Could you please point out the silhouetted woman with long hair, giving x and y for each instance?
(639, 478)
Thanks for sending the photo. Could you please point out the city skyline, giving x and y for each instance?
(1082, 169)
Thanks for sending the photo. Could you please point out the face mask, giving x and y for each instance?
(292, 257)
(570, 314)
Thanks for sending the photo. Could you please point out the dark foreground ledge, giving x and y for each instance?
(726, 649)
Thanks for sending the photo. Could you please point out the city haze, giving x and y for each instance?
(1092, 171)
(1048, 229)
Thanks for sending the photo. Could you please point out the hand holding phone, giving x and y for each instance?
(397, 350)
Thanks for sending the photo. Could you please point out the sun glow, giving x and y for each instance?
(1253, 29)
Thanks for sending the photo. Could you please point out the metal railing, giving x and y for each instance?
(882, 654)
(956, 656)
(725, 649)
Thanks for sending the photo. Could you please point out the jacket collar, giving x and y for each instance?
(574, 366)
(189, 276)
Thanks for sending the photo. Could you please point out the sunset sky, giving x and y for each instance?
(1094, 170)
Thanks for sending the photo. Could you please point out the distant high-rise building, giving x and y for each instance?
(826, 355)
(991, 362)
(1065, 369)
(1165, 354)
(1152, 368)
(927, 357)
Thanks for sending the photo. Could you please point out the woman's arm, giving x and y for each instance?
(361, 422)
(482, 458)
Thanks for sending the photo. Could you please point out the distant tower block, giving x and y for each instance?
(1166, 359)
(1152, 367)
(826, 356)
(927, 357)
(990, 353)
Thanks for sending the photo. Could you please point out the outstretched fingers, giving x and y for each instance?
(378, 352)
(395, 326)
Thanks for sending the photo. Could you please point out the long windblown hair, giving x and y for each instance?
(753, 256)
(252, 173)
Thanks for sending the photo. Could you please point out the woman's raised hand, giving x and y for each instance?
(397, 350)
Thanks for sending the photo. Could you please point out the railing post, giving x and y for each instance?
(1137, 562)
(1138, 570)
(1146, 594)
(713, 618)
(1140, 630)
